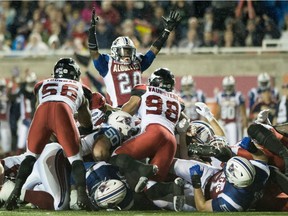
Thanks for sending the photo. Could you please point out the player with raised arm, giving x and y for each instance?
(60, 98)
(122, 69)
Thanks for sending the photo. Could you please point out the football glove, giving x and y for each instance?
(195, 173)
(262, 117)
(182, 126)
(204, 110)
(172, 21)
(92, 40)
(247, 144)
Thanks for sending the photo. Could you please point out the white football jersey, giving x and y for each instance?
(158, 107)
(65, 90)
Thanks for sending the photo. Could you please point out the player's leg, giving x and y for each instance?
(265, 137)
(64, 124)
(38, 137)
(53, 175)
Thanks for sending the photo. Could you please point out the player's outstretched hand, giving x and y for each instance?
(204, 110)
(172, 21)
(262, 117)
(94, 18)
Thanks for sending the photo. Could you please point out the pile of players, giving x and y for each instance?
(85, 154)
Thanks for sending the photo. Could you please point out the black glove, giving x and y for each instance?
(172, 21)
(94, 18)
(196, 181)
(92, 40)
(195, 173)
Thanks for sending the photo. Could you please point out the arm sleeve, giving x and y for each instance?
(147, 60)
(101, 64)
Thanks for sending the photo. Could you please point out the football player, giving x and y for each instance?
(27, 109)
(122, 69)
(263, 84)
(231, 110)
(159, 109)
(59, 99)
(190, 96)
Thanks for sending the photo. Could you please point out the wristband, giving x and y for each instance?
(161, 40)
(92, 39)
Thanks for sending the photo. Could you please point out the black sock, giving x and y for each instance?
(160, 190)
(78, 173)
(25, 170)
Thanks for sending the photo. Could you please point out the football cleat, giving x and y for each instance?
(178, 198)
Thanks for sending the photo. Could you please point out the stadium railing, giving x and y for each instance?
(268, 46)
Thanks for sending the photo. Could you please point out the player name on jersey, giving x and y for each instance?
(121, 67)
(160, 91)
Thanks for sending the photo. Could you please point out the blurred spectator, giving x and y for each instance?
(78, 31)
(254, 34)
(73, 21)
(228, 39)
(239, 32)
(208, 23)
(18, 43)
(5, 38)
(147, 40)
(208, 40)
(3, 45)
(56, 21)
(128, 28)
(271, 30)
(171, 41)
(222, 10)
(56, 38)
(7, 14)
(24, 14)
(109, 13)
(186, 10)
(191, 41)
(105, 34)
(129, 10)
(36, 43)
(157, 21)
(285, 25)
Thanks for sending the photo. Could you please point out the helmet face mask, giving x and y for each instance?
(228, 84)
(187, 85)
(162, 78)
(123, 50)
(263, 80)
(218, 141)
(67, 68)
(240, 172)
(204, 133)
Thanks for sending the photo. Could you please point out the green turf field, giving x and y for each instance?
(35, 212)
